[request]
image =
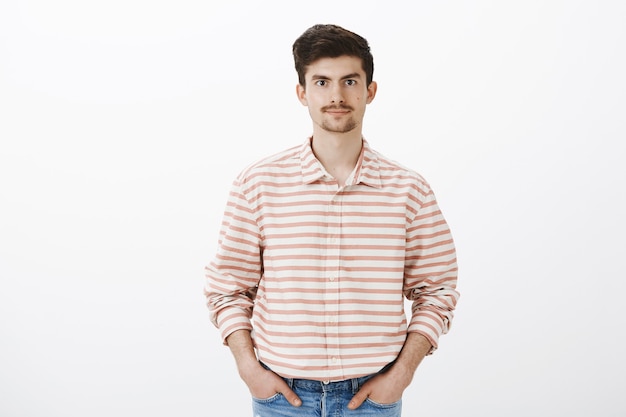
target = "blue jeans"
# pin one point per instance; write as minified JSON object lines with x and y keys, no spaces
{"x":321,"y":399}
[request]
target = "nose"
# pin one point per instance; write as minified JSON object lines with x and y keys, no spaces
{"x":336,"y":94}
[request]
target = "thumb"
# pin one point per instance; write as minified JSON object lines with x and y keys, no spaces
{"x":357,"y":400}
{"x":290,"y":396}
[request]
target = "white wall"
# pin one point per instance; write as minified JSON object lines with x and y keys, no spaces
{"x":122,"y":124}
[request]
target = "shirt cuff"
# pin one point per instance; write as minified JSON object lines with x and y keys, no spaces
{"x":231,"y":320}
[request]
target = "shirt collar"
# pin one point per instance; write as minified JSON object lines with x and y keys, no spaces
{"x":367,"y":170}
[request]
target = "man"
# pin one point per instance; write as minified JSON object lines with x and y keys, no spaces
{"x":319,"y":245}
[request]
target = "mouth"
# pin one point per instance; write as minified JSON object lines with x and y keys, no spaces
{"x":337,"y":111}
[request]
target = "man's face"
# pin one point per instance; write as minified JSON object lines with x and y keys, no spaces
{"x":336,"y":93}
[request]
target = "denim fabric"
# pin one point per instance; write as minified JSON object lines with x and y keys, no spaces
{"x":321,"y":399}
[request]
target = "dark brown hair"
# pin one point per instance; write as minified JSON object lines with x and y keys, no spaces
{"x":330,"y":41}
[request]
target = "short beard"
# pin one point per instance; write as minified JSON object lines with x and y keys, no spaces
{"x":346,"y":127}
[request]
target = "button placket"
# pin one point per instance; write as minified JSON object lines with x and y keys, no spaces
{"x":333,"y":252}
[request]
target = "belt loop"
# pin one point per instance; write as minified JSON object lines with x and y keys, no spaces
{"x":289,"y":382}
{"x":355,"y":385}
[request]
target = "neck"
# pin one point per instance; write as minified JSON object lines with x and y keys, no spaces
{"x":338,"y":153}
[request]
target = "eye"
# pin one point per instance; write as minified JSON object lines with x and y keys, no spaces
{"x":350,"y":82}
{"x":320,"y":83}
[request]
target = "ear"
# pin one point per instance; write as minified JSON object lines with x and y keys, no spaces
{"x":301,"y":92}
{"x":371,"y":91}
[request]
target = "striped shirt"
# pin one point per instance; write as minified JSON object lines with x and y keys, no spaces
{"x":319,"y":272}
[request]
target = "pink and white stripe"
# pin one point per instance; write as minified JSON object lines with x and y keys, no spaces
{"x":323,"y":271}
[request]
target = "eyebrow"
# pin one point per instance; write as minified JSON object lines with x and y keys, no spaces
{"x":345,"y":77}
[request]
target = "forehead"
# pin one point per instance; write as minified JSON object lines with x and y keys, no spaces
{"x":335,"y":67}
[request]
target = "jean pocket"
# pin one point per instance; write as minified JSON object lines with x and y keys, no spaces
{"x":269,"y":400}
{"x":373,"y":403}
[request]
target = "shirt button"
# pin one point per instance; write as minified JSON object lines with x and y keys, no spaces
{"x":334,"y":360}
{"x":331,"y":278}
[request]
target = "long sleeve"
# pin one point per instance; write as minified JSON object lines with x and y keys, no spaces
{"x":233,"y":275}
{"x":430,"y":272}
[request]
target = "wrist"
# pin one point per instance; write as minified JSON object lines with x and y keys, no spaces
{"x":414,"y":350}
{"x":401,"y":373}
{"x":248,"y":367}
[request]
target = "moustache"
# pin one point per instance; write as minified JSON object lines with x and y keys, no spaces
{"x":342,"y":107}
